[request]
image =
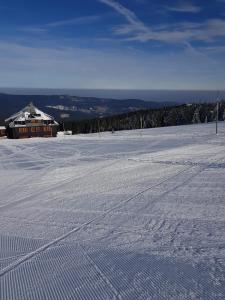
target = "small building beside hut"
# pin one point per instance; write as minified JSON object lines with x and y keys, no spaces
{"x":31,"y":122}
{"x":2,"y":131}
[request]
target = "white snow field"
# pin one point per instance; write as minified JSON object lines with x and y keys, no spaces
{"x":130,"y":215}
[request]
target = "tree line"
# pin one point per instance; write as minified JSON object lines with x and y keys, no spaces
{"x":150,"y":118}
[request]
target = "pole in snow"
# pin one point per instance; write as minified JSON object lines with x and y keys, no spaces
{"x":98,"y":128}
{"x":141,"y":123}
{"x":217,"y":111}
{"x":217,"y":116}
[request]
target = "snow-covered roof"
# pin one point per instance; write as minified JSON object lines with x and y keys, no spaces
{"x":28,"y":113}
{"x":2,"y":127}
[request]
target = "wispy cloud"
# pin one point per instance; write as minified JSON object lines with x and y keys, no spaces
{"x":33,"y":29}
{"x":213,"y":49}
{"x":136,"y":30}
{"x":128,"y":14}
{"x":61,"y":23}
{"x":75,"y":21}
{"x":184,"y":8}
{"x":75,"y":67}
{"x":135,"y":26}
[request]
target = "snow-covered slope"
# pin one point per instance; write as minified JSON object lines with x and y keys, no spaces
{"x":130,"y":215}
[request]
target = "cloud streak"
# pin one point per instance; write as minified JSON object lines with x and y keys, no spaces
{"x":75,"y":21}
{"x":74,"y":67}
{"x":128,"y":14}
{"x":61,"y":23}
{"x":184,"y":8}
{"x":136,"y":30}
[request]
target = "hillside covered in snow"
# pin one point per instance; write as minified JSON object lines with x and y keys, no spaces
{"x":131,"y":215}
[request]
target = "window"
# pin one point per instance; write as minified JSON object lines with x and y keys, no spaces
{"x":23,"y":130}
{"x":47,"y":128}
{"x":19,"y":122}
{"x":47,"y":122}
{"x":34,"y":121}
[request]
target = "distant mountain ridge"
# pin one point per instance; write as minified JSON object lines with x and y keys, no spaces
{"x":178,"y":96}
{"x":73,"y":107}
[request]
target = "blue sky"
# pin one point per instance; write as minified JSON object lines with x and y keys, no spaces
{"x":124,"y":44}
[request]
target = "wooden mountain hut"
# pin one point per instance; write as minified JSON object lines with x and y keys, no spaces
{"x":31,"y":122}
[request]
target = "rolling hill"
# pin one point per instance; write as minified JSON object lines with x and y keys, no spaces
{"x":72,"y":107}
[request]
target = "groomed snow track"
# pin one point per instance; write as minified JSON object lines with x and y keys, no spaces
{"x":123,"y":216}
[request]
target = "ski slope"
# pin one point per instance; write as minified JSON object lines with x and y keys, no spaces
{"x":130,"y":215}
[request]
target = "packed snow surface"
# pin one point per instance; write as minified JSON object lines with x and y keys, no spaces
{"x":129,"y":215}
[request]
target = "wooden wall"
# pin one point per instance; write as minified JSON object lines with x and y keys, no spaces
{"x":33,"y":131}
{"x":2,"y":132}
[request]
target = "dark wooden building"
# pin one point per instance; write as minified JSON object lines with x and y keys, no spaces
{"x":31,"y":122}
{"x":2,"y":131}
